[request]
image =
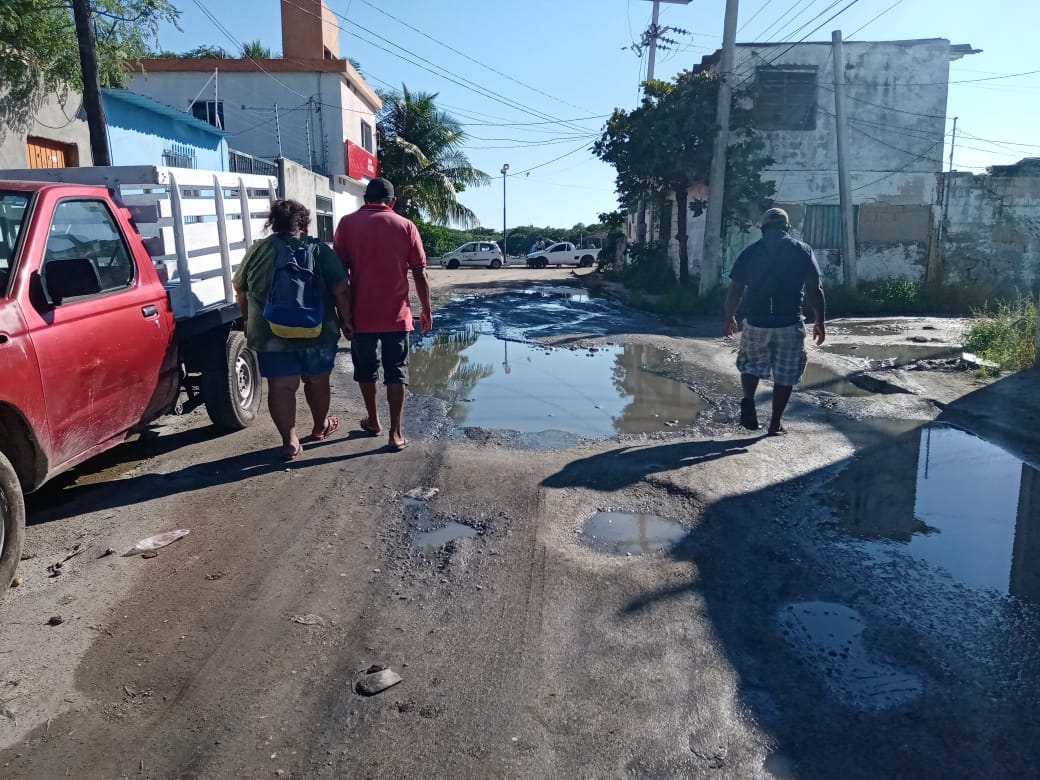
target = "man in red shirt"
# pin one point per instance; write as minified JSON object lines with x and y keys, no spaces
{"x":380,"y":247}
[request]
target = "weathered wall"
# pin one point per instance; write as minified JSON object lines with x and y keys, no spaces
{"x":56,"y":120}
{"x":306,"y":186}
{"x":138,"y":136}
{"x":992,"y":234}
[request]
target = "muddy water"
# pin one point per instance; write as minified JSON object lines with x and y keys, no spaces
{"x":494,"y":383}
{"x":819,"y":378}
{"x":632,"y":533}
{"x":432,"y":539}
{"x":953,"y":500}
{"x":883,"y":356}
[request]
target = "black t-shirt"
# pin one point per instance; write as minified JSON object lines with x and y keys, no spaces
{"x":775,"y":269}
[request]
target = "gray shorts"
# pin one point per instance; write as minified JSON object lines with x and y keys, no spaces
{"x":776,"y":352}
{"x":392,"y":353}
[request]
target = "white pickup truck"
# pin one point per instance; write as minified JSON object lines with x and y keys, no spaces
{"x":562,"y":253}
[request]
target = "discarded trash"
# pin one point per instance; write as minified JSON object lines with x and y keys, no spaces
{"x":422,"y":493}
{"x":108,"y":551}
{"x":156,"y":542}
{"x":16,"y":582}
{"x":55,"y":569}
{"x":56,"y":620}
{"x":377,"y":682}
{"x":308,"y":620}
{"x":150,"y":554}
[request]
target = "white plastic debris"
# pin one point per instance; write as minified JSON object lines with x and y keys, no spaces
{"x":377,"y":682}
{"x":156,"y":542}
{"x":422,"y":493}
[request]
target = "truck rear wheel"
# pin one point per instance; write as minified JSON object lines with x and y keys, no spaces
{"x":12,"y":522}
{"x":587,"y":260}
{"x":230,"y":385}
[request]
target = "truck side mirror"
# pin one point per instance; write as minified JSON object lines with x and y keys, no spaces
{"x":71,"y":277}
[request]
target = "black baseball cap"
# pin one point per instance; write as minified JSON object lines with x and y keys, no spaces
{"x":379,"y":189}
{"x":775,"y":218}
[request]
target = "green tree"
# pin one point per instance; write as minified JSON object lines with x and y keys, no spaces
{"x":420,"y":151}
{"x":254,"y":50}
{"x":666,"y":144}
{"x":39,"y":53}
{"x":207,"y":52}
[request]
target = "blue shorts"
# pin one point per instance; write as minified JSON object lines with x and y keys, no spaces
{"x":393,"y":354}
{"x":300,"y":362}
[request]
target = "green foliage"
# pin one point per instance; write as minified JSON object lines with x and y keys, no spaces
{"x":613,"y":222}
{"x":895,"y":297}
{"x":254,"y":50}
{"x":438,"y":239}
{"x":39,"y":52}
{"x":649,"y":269}
{"x":421,"y":152}
{"x":1005,"y":335}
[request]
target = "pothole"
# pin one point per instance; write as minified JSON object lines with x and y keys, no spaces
{"x":593,"y":392}
{"x":951,"y":499}
{"x":892,"y":356}
{"x":632,"y":533}
{"x":430,"y":540}
{"x":819,"y":378}
{"x":829,"y":638}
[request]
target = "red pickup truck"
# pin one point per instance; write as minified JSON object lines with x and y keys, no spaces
{"x":97,"y":335}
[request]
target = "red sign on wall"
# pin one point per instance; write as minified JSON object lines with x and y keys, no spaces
{"x":361,"y":164}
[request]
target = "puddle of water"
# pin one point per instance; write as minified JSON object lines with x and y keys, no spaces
{"x":600,"y":392}
{"x":817,"y":377}
{"x":883,"y":356}
{"x":632,"y":533}
{"x":866,"y":328}
{"x":435,"y":538}
{"x":572,"y":294}
{"x":955,"y":501}
{"x":829,"y":638}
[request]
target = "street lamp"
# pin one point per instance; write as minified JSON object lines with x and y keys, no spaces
{"x":505,"y":252}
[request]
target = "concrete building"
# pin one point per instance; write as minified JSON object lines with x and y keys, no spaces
{"x":310,"y":106}
{"x":56,"y":137}
{"x":896,"y":106}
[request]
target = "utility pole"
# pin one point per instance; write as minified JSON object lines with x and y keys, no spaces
{"x":92,"y":104}
{"x":711,"y":261}
{"x":505,"y":252}
{"x":841,"y":121}
{"x":278,"y":129}
{"x":651,"y":61}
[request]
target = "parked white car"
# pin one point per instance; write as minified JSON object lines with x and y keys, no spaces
{"x":485,"y":254}
{"x":562,"y":253}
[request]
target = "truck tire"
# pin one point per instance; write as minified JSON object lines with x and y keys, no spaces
{"x":12,"y":522}
{"x":230,"y":384}
{"x":587,"y":260}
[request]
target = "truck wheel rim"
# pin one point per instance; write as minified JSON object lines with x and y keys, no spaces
{"x":244,"y":377}
{"x":5,"y":512}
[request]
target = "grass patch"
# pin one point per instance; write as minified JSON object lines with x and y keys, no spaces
{"x":1005,"y":335}
{"x":901,"y":297}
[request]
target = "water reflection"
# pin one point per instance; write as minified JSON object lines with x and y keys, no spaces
{"x":954,"y":500}
{"x":493,"y":383}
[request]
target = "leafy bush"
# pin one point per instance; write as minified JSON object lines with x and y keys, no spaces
{"x":649,"y":269}
{"x":1006,"y":336}
{"x":894,"y":297}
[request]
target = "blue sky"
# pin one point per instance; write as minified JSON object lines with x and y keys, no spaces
{"x":545,"y":60}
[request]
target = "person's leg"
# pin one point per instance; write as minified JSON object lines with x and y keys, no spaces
{"x":366,"y":372}
{"x":282,"y":371}
{"x":317,"y":366}
{"x":752,"y":362}
{"x":394,"y":353}
{"x":789,"y":359}
{"x":781,"y":395}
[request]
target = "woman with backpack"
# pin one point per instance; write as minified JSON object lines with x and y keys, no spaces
{"x":293,"y":294}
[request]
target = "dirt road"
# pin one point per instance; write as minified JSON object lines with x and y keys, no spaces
{"x":802,"y":606}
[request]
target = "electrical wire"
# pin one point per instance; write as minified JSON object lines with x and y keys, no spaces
{"x":755,"y":15}
{"x":860,"y":28}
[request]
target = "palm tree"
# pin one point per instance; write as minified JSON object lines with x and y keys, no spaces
{"x":420,"y":151}
{"x":254,"y":50}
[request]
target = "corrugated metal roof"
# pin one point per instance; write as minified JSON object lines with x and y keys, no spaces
{"x":161,"y":108}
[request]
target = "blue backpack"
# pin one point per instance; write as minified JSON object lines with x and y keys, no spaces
{"x":294,"y":307}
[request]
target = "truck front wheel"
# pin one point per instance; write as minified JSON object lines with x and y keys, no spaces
{"x":12,"y":522}
{"x":230,"y":384}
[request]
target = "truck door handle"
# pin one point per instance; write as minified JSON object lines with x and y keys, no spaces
{"x":149,"y":311}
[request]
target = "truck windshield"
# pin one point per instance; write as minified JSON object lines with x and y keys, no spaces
{"x":13,"y":208}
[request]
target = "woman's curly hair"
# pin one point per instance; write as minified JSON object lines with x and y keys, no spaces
{"x":288,"y":216}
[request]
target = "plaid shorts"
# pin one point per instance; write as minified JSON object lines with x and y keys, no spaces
{"x":779,"y":352}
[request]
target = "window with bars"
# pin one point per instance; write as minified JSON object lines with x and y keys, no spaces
{"x":179,"y":156}
{"x":323,"y":219}
{"x":211,"y":111}
{"x":366,"y":137}
{"x":785,"y":98}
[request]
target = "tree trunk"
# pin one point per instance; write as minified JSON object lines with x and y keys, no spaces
{"x":682,"y":209}
{"x":664,"y":221}
{"x":92,"y":104}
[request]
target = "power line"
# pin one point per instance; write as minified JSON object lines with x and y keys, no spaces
{"x":801,"y":6}
{"x":549,"y":162}
{"x":858,"y":29}
{"x":888,"y":175}
{"x":755,"y":15}
{"x":471,"y":59}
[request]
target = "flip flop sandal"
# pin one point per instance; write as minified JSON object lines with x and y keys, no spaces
{"x":368,"y":429}
{"x":781,"y":431}
{"x":399,"y":446}
{"x":289,"y":453}
{"x":331,"y":426}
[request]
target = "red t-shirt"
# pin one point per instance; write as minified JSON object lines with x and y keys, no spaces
{"x":379,"y":246}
